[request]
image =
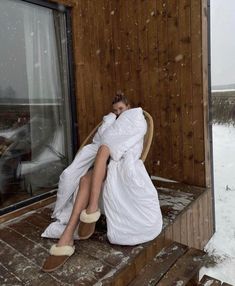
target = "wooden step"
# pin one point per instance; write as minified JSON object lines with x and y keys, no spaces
{"x":174,"y":264}
{"x":207,"y":280}
{"x":185,"y":270}
{"x":163,"y":261}
{"x":210,"y":281}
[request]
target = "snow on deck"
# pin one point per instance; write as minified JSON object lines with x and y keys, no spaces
{"x":95,"y":262}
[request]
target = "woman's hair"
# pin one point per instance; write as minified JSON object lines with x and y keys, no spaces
{"x":120,"y":97}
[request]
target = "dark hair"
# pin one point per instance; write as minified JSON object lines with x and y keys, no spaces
{"x":120,"y":97}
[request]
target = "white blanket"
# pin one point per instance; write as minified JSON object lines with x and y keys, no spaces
{"x":129,"y":198}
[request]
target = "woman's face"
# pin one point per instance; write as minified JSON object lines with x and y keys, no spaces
{"x":119,"y":107}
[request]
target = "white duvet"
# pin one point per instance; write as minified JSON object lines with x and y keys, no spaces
{"x":129,"y":199}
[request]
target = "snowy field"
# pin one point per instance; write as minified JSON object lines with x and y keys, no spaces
{"x":222,"y":244}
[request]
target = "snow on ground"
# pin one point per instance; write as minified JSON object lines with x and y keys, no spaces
{"x":222,"y":244}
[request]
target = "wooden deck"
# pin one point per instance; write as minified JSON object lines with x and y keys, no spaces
{"x":96,"y":261}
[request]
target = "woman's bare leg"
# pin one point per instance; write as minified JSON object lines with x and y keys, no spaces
{"x":80,"y":203}
{"x":98,"y":176}
{"x":88,"y":194}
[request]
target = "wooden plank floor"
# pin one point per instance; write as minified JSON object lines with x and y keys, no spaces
{"x":96,"y":261}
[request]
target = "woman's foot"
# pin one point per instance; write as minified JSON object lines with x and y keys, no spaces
{"x":60,"y":252}
{"x":87,"y":223}
{"x":58,"y":256}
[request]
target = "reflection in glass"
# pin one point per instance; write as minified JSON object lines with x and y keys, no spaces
{"x":34,"y":124}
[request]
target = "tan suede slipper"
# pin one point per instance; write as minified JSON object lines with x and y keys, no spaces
{"x":58,"y":256}
{"x":87,"y":224}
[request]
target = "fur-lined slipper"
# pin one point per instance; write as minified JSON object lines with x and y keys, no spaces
{"x":58,"y":256}
{"x":87,"y":224}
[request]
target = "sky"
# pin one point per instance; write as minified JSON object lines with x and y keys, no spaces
{"x":222,"y":42}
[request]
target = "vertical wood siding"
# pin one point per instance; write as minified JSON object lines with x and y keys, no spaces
{"x":156,"y":52}
{"x":195,"y":226}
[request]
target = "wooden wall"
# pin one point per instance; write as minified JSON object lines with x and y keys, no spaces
{"x":156,"y":52}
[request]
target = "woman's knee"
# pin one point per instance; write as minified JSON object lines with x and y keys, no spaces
{"x":104,"y":150}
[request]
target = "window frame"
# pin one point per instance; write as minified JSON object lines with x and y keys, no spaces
{"x":71,"y":98}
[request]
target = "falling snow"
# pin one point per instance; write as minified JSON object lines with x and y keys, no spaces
{"x":178,"y":58}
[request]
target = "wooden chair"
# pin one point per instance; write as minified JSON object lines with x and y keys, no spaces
{"x":147,"y":138}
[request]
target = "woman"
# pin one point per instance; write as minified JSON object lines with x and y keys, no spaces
{"x":110,"y":164}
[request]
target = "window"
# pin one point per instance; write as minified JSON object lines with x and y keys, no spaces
{"x":35,"y":99}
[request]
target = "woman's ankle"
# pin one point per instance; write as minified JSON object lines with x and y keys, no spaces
{"x":67,"y":237}
{"x":91,"y":209}
{"x":63,"y":241}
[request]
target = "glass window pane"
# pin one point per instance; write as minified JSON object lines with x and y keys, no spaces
{"x":35,"y":135}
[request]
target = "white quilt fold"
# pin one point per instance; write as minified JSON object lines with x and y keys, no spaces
{"x":129,"y":198}
{"x":126,"y":132}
